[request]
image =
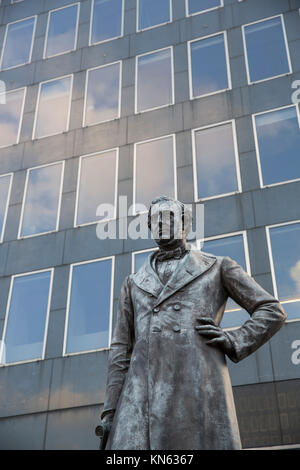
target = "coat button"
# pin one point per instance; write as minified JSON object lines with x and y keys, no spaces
{"x":156,"y":329}
{"x":156,"y":310}
{"x":176,"y":328}
{"x":176,"y":307}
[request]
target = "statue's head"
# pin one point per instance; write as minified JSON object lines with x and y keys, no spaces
{"x":169,"y":220}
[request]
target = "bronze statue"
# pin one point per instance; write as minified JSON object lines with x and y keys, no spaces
{"x":168,"y":386}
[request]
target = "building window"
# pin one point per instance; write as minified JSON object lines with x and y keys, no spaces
{"x":107,"y":20}
{"x":5,"y":188}
{"x":193,"y":7}
{"x":18,"y":43}
{"x":266,"y":49}
{"x":152,"y":13}
{"x":42,"y":197}
{"x":62,"y":29}
{"x":26,"y":321}
{"x":11,"y":112}
{"x":216,"y":162}
{"x":103,"y":94}
{"x":53,"y":108}
{"x":235,"y":246}
{"x":284,"y":249}
{"x":88,"y":323}
{"x":209,"y":69}
{"x":139,"y":258}
{"x":277,"y":137}
{"x":154,"y":80}
{"x":97,"y":184}
{"x":156,"y":153}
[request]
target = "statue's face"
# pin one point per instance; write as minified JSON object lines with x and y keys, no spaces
{"x":166,"y":222}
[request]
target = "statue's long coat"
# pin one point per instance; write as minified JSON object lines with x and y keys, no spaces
{"x":169,"y":388}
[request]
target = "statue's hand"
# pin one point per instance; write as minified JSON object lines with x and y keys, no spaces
{"x":104,"y":428}
{"x":208,"y":328}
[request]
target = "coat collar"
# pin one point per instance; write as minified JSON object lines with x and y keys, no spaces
{"x":189,"y":268}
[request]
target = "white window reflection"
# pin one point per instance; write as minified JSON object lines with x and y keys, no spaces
{"x":61,"y":30}
{"x":5,"y":188}
{"x":18,"y":43}
{"x":284,"y":245}
{"x":266,"y":50}
{"x":278,"y":145}
{"x":156,"y":153}
{"x":107,"y":20}
{"x":41,"y":204}
{"x":103,"y":94}
{"x":27,"y":317}
{"x":209,"y":65}
{"x":97,"y":184}
{"x":216,"y":163}
{"x":154,"y":80}
{"x":152,"y":13}
{"x":89,"y":306}
{"x":234,"y":246}
{"x":11,"y":111}
{"x":195,"y":6}
{"x":53,"y":108}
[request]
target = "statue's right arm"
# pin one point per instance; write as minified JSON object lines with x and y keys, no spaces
{"x":120,"y":351}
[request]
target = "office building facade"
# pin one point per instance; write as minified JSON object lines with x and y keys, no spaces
{"x":115,"y":102}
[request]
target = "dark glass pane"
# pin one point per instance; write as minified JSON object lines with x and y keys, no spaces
{"x":215,"y":159}
{"x":153,"y":12}
{"x":27,"y":318}
{"x":89,"y":311}
{"x":107,"y":20}
{"x":154,"y":80}
{"x":266,"y":49}
{"x":209,"y":69}
{"x":195,"y":6}
{"x":62,"y":30}
{"x":278,"y":136}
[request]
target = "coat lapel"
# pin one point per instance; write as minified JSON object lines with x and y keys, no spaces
{"x":192,"y":266}
{"x":147,"y":279}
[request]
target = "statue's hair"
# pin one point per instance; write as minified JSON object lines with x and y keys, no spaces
{"x":185,"y":212}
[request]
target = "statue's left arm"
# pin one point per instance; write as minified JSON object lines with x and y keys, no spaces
{"x":120,"y":350}
{"x":266,"y":314}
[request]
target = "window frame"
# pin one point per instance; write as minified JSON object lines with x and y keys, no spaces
{"x":38,"y":103}
{"x":227,"y":59}
{"x":173,"y":135}
{"x":116,"y":149}
{"x":47,"y":31}
{"x":31,"y":45}
{"x":271,"y":260}
{"x":258,"y":158}
{"x":138,"y":29}
{"x":64,"y":353}
{"x":60,"y":162}
{"x":236,"y":155}
{"x":172,"y":81}
{"x":286,"y":44}
{"x":84,"y":125}
{"x":11,"y":175}
{"x":28,"y":273}
{"x":187,"y":14}
{"x":21,"y":114}
{"x":109,"y":39}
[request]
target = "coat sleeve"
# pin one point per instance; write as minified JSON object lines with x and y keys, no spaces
{"x":120,"y":350}
{"x":266,"y":314}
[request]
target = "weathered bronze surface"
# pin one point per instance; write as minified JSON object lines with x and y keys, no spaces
{"x":168,"y":386}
